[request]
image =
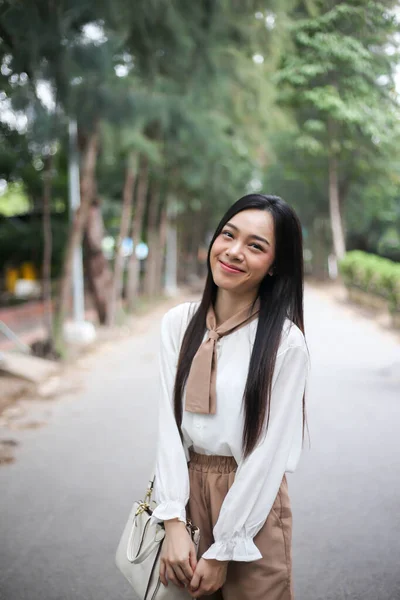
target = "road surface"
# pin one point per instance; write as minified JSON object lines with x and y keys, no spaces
{"x":65,"y":498}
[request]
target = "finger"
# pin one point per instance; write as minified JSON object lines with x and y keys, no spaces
{"x":180,"y":575}
{"x":193,"y":559}
{"x":172,"y":577}
{"x":199,"y":593}
{"x":163,"y":578}
{"x":195,"y":583}
{"x":187,"y":571}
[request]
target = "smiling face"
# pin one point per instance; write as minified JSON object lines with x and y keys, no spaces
{"x":244,"y":251}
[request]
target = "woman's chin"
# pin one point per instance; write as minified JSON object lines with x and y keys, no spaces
{"x":225,"y":283}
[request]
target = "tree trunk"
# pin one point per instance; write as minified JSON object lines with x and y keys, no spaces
{"x":171,"y":261}
{"x":126,"y":215}
{"x":190,"y":241}
{"x":339,"y":244}
{"x":136,"y":231}
{"x":150,"y":282}
{"x":77,"y":228}
{"x":162,"y":240}
{"x":97,"y":270}
{"x":320,"y":247}
{"x":334,"y":209}
{"x":47,"y":249}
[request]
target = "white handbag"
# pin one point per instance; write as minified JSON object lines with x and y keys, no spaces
{"x":139,"y":550}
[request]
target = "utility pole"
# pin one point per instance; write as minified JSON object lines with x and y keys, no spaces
{"x":78,"y":331}
{"x":78,"y":294}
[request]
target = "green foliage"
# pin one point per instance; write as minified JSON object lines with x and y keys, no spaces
{"x":13,"y":201}
{"x":341,"y":79}
{"x":389,"y":241}
{"x":374,"y":275}
{"x":336,"y":79}
{"x":208,"y":118}
{"x":21,"y":240}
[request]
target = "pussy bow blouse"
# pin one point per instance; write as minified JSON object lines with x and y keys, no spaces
{"x":259,"y":476}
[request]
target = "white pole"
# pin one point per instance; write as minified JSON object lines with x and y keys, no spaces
{"x":78,"y":294}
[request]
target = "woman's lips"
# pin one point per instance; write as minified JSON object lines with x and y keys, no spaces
{"x":228,"y":268}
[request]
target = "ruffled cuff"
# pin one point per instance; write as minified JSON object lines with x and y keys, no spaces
{"x":238,"y":548}
{"x":172,"y":509}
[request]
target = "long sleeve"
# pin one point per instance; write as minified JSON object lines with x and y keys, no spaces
{"x":259,"y":476}
{"x":171,"y":472}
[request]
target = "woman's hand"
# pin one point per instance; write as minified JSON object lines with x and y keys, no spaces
{"x":178,"y":555}
{"x":209,"y":576}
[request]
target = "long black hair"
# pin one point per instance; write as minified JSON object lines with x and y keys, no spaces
{"x":281,"y":297}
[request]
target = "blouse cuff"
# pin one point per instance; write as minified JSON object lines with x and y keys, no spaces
{"x":238,"y":548}
{"x":172,"y":509}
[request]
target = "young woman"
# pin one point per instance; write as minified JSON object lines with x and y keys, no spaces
{"x":233,"y":375}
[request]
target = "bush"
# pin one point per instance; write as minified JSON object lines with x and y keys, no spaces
{"x":21,"y":240}
{"x":374,"y":275}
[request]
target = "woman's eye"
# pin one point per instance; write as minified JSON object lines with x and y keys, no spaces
{"x":257,"y":246}
{"x":227,"y":233}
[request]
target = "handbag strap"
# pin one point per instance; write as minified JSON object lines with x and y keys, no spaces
{"x":145,"y":552}
{"x":145,"y":504}
{"x":149,"y":491}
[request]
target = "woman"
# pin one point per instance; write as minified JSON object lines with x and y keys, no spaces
{"x":233,"y":375}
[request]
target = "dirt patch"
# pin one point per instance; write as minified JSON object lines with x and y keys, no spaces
{"x":12,"y":388}
{"x":6,"y":451}
{"x":21,"y":425}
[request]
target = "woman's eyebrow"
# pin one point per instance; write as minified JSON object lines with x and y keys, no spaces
{"x":253,"y":235}
{"x":258,"y":237}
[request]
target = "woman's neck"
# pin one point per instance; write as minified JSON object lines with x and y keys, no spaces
{"x":228,"y":304}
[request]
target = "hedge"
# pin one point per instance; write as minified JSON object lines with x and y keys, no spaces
{"x":374,"y":275}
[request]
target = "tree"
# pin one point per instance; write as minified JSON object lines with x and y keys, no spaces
{"x":204,"y":147}
{"x":338,"y":79}
{"x":126,"y":216}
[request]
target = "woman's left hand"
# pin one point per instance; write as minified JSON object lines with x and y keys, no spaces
{"x":209,"y":576}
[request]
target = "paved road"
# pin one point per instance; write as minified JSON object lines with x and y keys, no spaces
{"x":65,"y":499}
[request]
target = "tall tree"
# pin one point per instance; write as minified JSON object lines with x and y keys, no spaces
{"x":126,"y":216}
{"x":339,"y":80}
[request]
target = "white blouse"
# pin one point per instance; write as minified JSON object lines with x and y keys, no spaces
{"x":259,"y":476}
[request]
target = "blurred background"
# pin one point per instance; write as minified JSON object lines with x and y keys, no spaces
{"x":127,"y":128}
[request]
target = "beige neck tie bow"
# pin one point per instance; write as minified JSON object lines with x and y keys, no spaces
{"x":201,"y":383}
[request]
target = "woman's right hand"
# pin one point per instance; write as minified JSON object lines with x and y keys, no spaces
{"x":178,"y":555}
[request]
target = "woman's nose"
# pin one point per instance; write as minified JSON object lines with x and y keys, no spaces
{"x":235,"y":249}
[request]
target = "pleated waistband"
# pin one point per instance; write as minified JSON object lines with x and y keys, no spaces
{"x":212,"y":463}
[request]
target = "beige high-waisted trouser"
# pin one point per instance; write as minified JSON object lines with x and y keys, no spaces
{"x":269,"y":578}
